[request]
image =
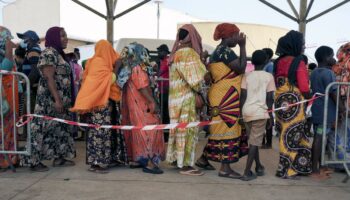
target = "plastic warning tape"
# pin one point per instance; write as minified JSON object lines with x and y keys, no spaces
{"x":30,"y":117}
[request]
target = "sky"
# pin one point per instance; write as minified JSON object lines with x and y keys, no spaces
{"x":329,"y":29}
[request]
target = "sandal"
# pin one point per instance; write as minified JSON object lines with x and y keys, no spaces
{"x":233,"y":175}
{"x":154,"y":170}
{"x":39,"y":168}
{"x":206,"y":166}
{"x":248,"y":177}
{"x":260,"y":171}
{"x":191,"y":172}
{"x":295,"y":177}
{"x":135,"y":166}
{"x":61,"y":162}
{"x":98,"y":169}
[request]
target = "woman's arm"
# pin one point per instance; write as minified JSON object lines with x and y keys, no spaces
{"x":303,"y":80}
{"x":239,"y":64}
{"x":49,"y":75}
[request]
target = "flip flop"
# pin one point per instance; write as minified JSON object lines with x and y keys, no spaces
{"x":229,"y":175}
{"x":248,"y":177}
{"x":135,"y":166}
{"x":98,"y":169}
{"x":206,"y":166}
{"x":155,"y":170}
{"x":62,"y":163}
{"x":192,"y":172}
{"x":260,"y":171}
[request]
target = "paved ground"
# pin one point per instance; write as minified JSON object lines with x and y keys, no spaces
{"x":124,"y":183}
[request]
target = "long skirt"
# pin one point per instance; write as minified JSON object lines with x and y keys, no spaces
{"x":295,"y":141}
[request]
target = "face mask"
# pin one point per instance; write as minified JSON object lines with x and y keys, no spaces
{"x":23,"y":44}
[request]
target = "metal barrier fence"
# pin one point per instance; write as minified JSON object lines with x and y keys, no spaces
{"x":11,"y":80}
{"x":336,"y":146}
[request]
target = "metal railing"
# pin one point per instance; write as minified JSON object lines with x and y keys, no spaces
{"x":16,"y":76}
{"x":335,"y":146}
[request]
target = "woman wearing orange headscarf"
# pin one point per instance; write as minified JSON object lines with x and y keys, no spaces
{"x":95,"y":99}
{"x":224,"y":144}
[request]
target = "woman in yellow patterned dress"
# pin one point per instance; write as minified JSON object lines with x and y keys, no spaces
{"x":186,"y":74}
{"x":224,"y":144}
{"x":292,"y":81}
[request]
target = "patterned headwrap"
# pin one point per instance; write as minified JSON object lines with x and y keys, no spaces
{"x":53,"y":39}
{"x":133,"y":55}
{"x":5,"y":34}
{"x":225,"y":30}
{"x":342,"y":67}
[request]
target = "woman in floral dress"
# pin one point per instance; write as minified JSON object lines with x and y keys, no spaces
{"x":50,"y":139}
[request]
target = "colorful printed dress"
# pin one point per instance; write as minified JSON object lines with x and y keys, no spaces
{"x":182,"y":142}
{"x":295,"y":140}
{"x":225,"y":143}
{"x":9,"y":129}
{"x":52,"y":139}
{"x":142,"y":146}
{"x":104,"y":146}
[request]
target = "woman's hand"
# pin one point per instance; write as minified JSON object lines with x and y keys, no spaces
{"x":154,"y":108}
{"x":241,"y":39}
{"x":58,"y":106}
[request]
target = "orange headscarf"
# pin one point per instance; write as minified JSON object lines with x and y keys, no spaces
{"x":225,"y":30}
{"x":97,"y":85}
{"x":193,"y":37}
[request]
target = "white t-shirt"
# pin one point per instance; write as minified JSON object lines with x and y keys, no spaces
{"x":257,"y":84}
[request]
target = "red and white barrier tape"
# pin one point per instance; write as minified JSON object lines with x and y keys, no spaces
{"x":147,"y":127}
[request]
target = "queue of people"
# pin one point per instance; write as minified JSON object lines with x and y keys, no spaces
{"x":120,"y":88}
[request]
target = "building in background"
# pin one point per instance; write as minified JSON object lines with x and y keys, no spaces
{"x":85,"y":28}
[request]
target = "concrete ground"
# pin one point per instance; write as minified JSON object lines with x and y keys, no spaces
{"x":124,"y":183}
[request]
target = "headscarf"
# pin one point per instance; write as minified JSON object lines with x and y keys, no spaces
{"x":53,"y":39}
{"x":5,"y":34}
{"x":132,"y":55}
{"x":291,"y":45}
{"x":193,"y":37}
{"x":97,"y":86}
{"x":225,"y":30}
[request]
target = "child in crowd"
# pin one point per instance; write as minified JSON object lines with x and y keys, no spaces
{"x":257,"y":91}
{"x":321,"y":77}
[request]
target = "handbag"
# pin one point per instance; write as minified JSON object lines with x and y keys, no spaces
{"x":200,"y":101}
{"x":5,"y":106}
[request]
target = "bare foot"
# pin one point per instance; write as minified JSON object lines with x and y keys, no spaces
{"x":326,"y":171}
{"x":319,"y":176}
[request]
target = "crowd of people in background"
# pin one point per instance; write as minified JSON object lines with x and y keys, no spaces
{"x":127,"y":88}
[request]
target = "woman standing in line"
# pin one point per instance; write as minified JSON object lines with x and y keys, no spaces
{"x":186,"y":75}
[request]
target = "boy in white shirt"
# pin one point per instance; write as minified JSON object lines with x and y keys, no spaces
{"x":257,"y":90}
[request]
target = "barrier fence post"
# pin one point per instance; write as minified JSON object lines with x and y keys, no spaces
{"x":340,"y":154}
{"x":7,"y":152}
